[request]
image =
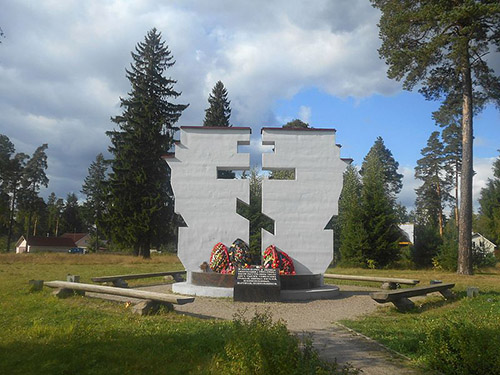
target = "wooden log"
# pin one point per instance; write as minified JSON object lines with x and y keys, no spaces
{"x":371,"y":278}
{"x":134,"y":293}
{"x":393,"y":295}
{"x":103,"y":279}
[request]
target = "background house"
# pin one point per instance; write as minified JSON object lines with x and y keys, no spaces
{"x":408,"y":234}
{"x":481,"y":242}
{"x":44,"y":244}
{"x":80,"y":239}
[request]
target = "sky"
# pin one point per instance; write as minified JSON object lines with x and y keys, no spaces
{"x":62,"y":73}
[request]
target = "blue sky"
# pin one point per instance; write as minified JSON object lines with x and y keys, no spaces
{"x":62,"y":72}
{"x":403,"y":120}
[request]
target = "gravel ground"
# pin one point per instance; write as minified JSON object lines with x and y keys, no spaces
{"x":317,"y":319}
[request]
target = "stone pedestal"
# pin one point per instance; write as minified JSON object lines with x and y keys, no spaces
{"x":257,"y":285}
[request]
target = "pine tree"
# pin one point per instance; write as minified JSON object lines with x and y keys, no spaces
{"x":284,"y":174}
{"x":33,"y":178}
{"x":55,"y":207}
{"x":378,"y":216}
{"x":441,"y":45}
{"x":448,"y":117}
{"x":6,"y":151}
{"x":354,"y":243}
{"x":94,"y":187}
{"x":219,"y":112}
{"x":11,"y":185}
{"x":296,"y":124}
{"x":434,"y":192}
{"x":140,"y":196}
{"x":489,"y":201}
{"x":393,"y":181}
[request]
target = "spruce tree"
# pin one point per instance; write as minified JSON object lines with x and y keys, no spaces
{"x":219,"y":112}
{"x":441,"y":46}
{"x":378,"y":215}
{"x":140,"y":196}
{"x":72,"y":218}
{"x":94,"y":187}
{"x":393,"y":181}
{"x":354,"y":243}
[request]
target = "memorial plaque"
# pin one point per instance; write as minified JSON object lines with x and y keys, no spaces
{"x":257,"y":285}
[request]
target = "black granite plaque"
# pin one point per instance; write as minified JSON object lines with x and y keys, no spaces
{"x":257,"y":285}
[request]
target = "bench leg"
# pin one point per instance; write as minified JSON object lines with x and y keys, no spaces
{"x":403,"y":304}
{"x":119,"y":283}
{"x":65,"y":292}
{"x":36,"y":285}
{"x":447,"y":294}
{"x":149,"y":307}
{"x":389,"y":285}
{"x":178,"y":277}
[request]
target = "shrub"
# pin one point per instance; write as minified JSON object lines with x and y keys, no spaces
{"x":467,"y":343}
{"x":259,"y":346}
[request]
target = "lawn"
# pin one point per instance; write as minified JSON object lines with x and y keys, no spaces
{"x":40,"y":334}
{"x":455,"y":337}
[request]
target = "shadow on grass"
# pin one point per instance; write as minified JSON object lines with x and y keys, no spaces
{"x":180,"y":351}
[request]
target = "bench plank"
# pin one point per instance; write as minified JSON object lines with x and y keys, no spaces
{"x":371,"y":278}
{"x":134,"y":293}
{"x":103,"y":279}
{"x":393,"y":295}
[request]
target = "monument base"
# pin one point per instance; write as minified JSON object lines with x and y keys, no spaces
{"x":323,"y":292}
{"x":202,"y":290}
{"x":290,"y":295}
{"x":214,"y":279}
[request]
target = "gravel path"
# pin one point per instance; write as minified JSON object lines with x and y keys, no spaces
{"x":316,"y":318}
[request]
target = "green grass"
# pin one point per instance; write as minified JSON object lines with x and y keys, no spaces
{"x":455,"y":337}
{"x":40,"y":334}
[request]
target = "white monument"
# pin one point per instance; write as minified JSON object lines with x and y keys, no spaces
{"x":208,"y":204}
{"x":300,"y":208}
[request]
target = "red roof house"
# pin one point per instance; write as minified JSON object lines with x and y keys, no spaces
{"x":44,"y":244}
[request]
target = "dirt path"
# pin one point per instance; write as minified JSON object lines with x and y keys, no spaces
{"x":316,"y":318}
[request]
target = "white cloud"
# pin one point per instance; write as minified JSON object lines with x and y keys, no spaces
{"x":407,"y":195}
{"x":483,"y":171}
{"x":305,"y":113}
{"x":62,"y":64}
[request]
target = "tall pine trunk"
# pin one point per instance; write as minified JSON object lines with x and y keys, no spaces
{"x":456,"y":193}
{"x":465,"y":212}
{"x":11,"y":219}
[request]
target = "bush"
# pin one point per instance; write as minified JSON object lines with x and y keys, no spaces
{"x":482,"y":258}
{"x":467,"y":343}
{"x":259,"y":346}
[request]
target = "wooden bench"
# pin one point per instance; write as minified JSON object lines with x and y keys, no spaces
{"x":387,"y":282}
{"x":400,"y":297}
{"x":119,"y":280}
{"x":151,"y":300}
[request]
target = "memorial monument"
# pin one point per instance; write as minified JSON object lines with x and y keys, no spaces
{"x":301,"y":208}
